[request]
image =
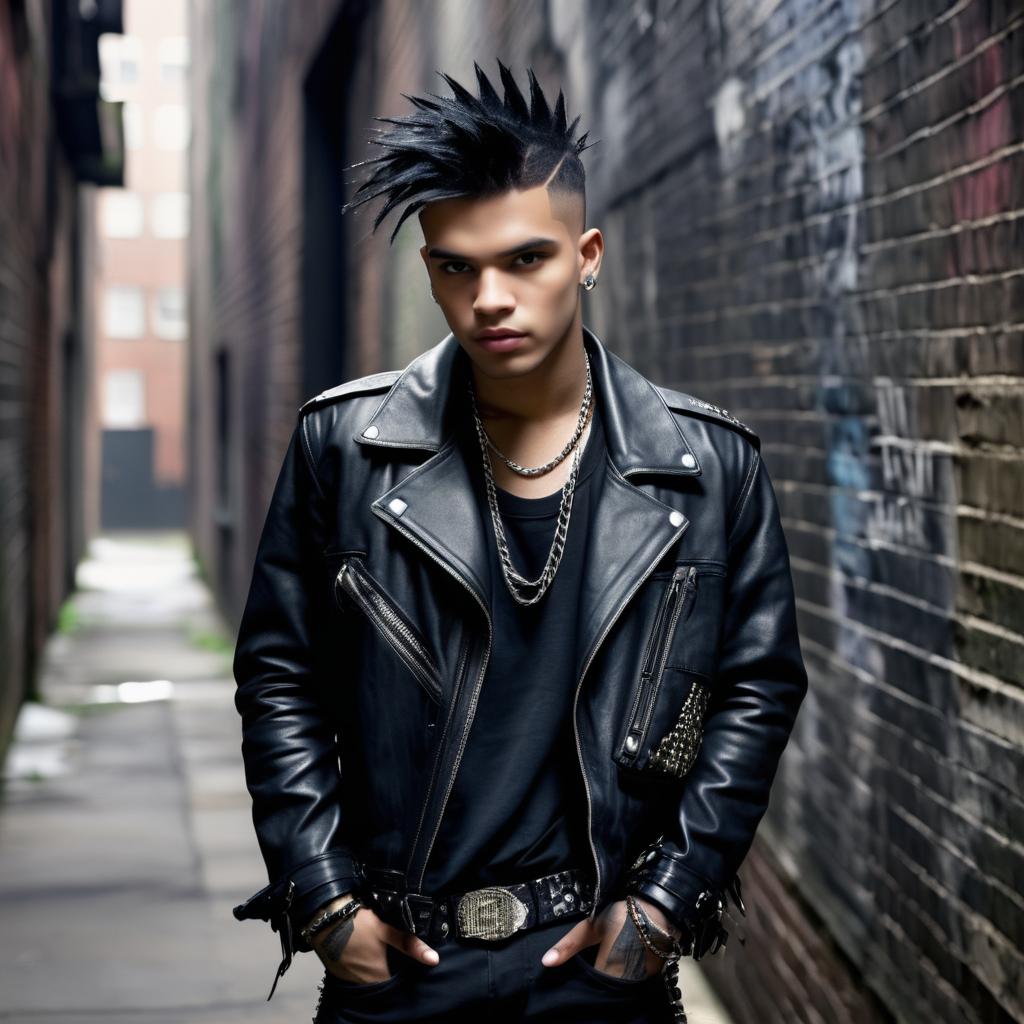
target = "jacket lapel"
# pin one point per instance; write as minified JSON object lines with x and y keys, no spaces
{"x":434,"y":505}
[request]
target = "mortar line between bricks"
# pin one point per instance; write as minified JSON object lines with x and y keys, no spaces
{"x":910,"y":288}
{"x":948,"y":231}
{"x":936,"y":128}
{"x":960,"y":854}
{"x":933,"y":927}
{"x":846,"y":32}
{"x":939,"y":757}
{"x":966,"y":567}
{"x":946,"y":69}
{"x":877,"y":589}
{"x":780,"y":267}
{"x":862,"y":118}
{"x":958,"y":812}
{"x":910,"y":334}
{"x":859,"y":295}
{"x":905,"y":39}
{"x":993,"y":629}
{"x":812,"y":186}
{"x":982,"y":680}
{"x":759,"y":53}
{"x":887,"y":967}
{"x":702,"y":254}
{"x":981,"y":924}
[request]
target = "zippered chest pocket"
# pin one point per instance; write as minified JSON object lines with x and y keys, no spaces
{"x":354,"y":583}
{"x":662,"y":731}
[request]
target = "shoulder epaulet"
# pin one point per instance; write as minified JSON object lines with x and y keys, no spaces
{"x":690,"y":404}
{"x":361,"y":385}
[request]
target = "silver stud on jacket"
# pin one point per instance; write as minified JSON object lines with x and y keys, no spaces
{"x":678,"y":748}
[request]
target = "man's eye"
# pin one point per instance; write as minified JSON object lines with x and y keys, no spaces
{"x":534,"y":256}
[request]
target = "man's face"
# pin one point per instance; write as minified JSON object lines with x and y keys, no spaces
{"x":480,"y":282}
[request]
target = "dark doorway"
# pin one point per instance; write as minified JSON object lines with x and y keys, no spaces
{"x":326,"y":358}
{"x":130,"y":497}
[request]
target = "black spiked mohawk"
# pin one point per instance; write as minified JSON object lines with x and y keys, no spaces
{"x":470,"y":146}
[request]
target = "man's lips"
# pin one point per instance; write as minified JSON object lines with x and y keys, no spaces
{"x":501,"y":343}
{"x":503,"y":333}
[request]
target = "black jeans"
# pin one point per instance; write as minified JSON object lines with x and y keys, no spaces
{"x":497,"y":982}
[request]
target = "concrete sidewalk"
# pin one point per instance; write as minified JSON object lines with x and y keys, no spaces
{"x":125,"y":827}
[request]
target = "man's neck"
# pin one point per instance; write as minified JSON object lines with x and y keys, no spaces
{"x":546,"y":395}
{"x":532,"y":417}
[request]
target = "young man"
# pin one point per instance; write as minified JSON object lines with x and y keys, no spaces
{"x":519,"y":656}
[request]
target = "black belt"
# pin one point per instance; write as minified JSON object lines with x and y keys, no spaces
{"x":490,"y":914}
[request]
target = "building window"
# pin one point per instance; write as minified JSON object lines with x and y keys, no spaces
{"x":125,"y":315}
{"x":122,"y":213}
{"x":169,"y":314}
{"x":120,"y":62}
{"x":169,"y":215}
{"x":172,"y":126}
{"x":174,"y":59}
{"x":124,"y":398}
{"x":132,"y":119}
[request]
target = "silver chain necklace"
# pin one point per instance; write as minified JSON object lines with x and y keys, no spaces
{"x":577,"y":433}
{"x":518,"y":585}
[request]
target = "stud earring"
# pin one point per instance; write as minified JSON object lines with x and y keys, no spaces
{"x":589,"y":282}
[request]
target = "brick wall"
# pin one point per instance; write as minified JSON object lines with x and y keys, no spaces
{"x":44,"y":352}
{"x":844,"y":258}
{"x":812,"y":212}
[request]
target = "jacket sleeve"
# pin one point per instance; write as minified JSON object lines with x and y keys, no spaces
{"x":288,"y":738}
{"x":758,"y":688}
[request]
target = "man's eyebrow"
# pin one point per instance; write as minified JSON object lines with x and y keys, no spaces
{"x":533,"y":243}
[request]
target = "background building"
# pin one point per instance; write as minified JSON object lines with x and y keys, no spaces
{"x":59,"y":140}
{"x":812,"y":212}
{"x":140,"y":274}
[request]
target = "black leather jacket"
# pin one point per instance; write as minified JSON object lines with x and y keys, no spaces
{"x":366,"y":636}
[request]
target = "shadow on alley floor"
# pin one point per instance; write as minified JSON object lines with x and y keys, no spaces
{"x":125,"y":828}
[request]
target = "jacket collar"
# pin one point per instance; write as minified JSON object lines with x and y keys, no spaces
{"x":641,"y":431}
{"x":632,"y":530}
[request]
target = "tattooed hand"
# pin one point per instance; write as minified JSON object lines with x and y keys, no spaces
{"x":355,"y":950}
{"x":622,"y":952}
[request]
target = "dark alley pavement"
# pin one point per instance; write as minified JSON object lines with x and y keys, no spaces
{"x":125,"y":828}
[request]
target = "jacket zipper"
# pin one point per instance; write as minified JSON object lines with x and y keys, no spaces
{"x":479,"y":682}
{"x":394,"y":628}
{"x":477,"y":685}
{"x":460,"y":675}
{"x":652,"y":643}
{"x":679,"y":596}
{"x":575,"y":725}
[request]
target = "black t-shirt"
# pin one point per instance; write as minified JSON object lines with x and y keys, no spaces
{"x":517,"y":810}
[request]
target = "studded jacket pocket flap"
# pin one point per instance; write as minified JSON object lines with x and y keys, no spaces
{"x":662,"y":732}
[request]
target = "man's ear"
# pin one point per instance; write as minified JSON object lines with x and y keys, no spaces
{"x":592,"y":249}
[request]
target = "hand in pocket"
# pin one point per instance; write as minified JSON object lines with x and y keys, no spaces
{"x":356,"y":950}
{"x":621,"y":954}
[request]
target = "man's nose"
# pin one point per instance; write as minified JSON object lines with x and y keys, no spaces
{"x":492,"y":295}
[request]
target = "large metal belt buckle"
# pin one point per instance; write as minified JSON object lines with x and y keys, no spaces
{"x":492,"y":913}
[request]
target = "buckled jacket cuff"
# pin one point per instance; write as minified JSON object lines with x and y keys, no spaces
{"x":288,"y":902}
{"x":689,"y":900}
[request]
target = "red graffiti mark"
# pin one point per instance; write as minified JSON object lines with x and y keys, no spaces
{"x":987,"y":190}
